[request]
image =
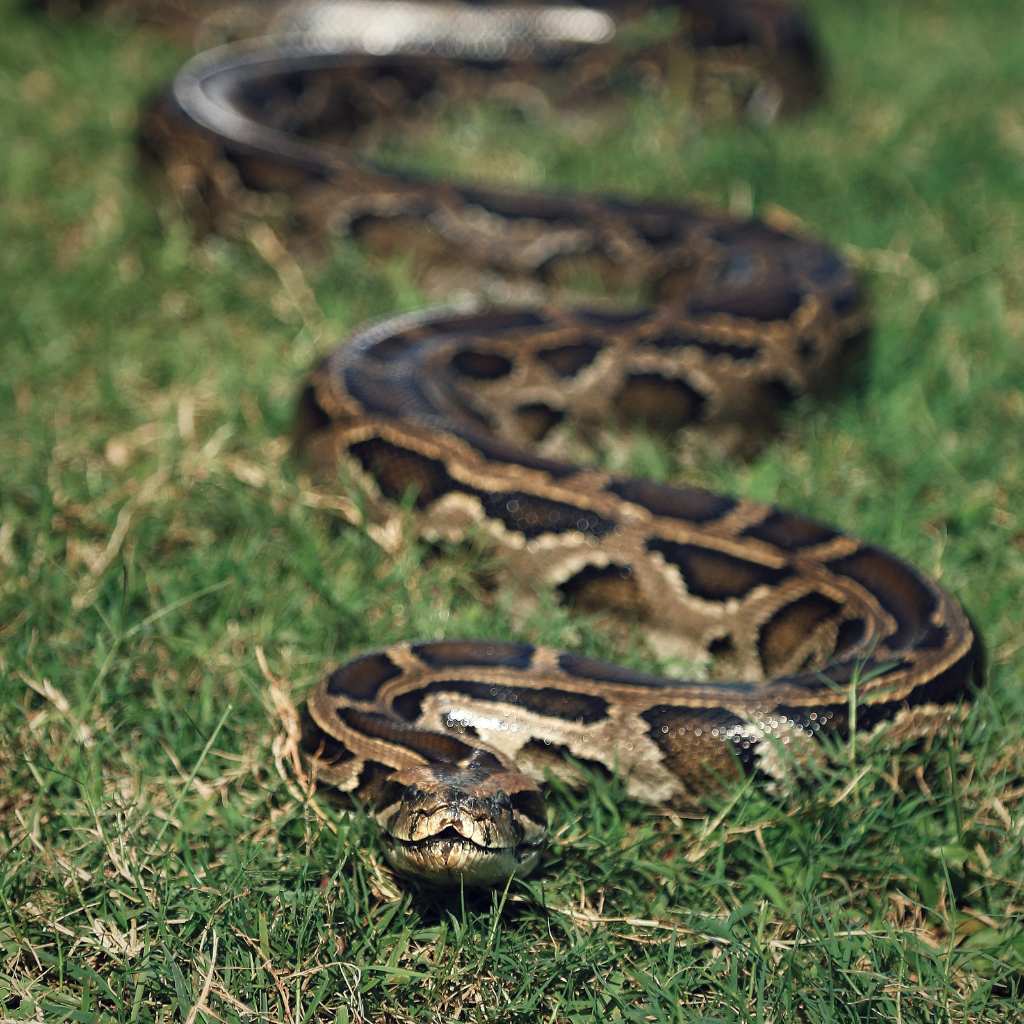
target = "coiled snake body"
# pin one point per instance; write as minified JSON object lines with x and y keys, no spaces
{"x":437,"y":419}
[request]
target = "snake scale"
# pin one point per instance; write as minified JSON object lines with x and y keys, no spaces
{"x":442,"y":420}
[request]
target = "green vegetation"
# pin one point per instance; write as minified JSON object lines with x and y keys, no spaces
{"x":170,"y":585}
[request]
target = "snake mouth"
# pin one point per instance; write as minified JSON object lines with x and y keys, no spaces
{"x":449,"y":835}
{"x":449,"y":859}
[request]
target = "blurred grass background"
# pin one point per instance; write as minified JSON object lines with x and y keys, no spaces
{"x":169,"y":582}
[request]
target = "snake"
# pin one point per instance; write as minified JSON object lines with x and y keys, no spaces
{"x":450,"y":423}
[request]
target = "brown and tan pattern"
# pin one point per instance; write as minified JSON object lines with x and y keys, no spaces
{"x":450,"y":420}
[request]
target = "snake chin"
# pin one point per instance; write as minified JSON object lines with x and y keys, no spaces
{"x":454,"y":827}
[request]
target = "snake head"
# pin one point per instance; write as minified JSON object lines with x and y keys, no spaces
{"x":475,"y":825}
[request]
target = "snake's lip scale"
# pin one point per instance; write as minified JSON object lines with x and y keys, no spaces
{"x":452,"y":835}
{"x":450,"y":421}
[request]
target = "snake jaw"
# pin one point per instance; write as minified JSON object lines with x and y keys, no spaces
{"x":461,"y":826}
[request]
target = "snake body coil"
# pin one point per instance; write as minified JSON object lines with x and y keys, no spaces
{"x":447,"y":410}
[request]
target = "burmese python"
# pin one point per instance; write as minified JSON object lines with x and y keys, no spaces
{"x":439,"y":420}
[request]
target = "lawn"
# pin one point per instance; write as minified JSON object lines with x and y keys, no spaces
{"x":171,"y":584}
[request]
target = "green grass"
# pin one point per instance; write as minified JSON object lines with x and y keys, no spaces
{"x":169,"y":582}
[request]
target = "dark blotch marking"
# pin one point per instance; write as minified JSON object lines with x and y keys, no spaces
{"x":829,"y":719}
{"x":315,"y":742}
{"x":898,"y":588}
{"x":479,"y":365}
{"x":789,"y":532}
{"x":843,"y":673}
{"x":853,"y":352}
{"x":671,"y":341}
{"x":458,"y":400}
{"x":581,"y":667}
{"x":393,"y":348}
{"x":669,"y":714}
{"x":394,"y":234}
{"x":396,"y":396}
{"x":765,"y":303}
{"x":691,"y":756}
{"x":713,"y":575}
{"x":373,"y":787}
{"x":851,"y":632}
{"x":530,"y":804}
{"x":777,"y":393}
{"x":827,"y":268}
{"x":532,"y":516}
{"x":739,"y":267}
{"x":570,"y":707}
{"x":611,"y":318}
{"x":568,"y":360}
{"x":536,"y":419}
{"x":734,"y":235}
{"x":310,"y":416}
{"x":790,"y":626}
{"x":946,"y":688}
{"x":487,"y":322}
{"x":847,"y":299}
{"x":268,"y":173}
{"x":665,"y":403}
{"x":807,"y":349}
{"x":689,"y":503}
{"x":657,"y":231}
{"x":554,"y":755}
{"x":483,"y":761}
{"x":549,"y":208}
{"x":399,"y":470}
{"x":605,"y":586}
{"x":447,"y":653}
{"x":498,"y":450}
{"x":722,"y":647}
{"x":363,"y":677}
{"x":434,"y":746}
{"x":934,"y":638}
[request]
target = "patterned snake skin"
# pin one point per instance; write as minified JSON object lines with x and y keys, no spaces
{"x":446,"y":421}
